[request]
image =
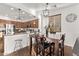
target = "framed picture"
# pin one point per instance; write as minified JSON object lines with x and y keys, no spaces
{"x":55,"y":23}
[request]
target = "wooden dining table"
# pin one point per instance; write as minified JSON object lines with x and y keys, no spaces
{"x":48,"y":39}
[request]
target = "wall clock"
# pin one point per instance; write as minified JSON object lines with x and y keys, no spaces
{"x":71,"y":17}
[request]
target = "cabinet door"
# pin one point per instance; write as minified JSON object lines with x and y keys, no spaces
{"x":1,"y":46}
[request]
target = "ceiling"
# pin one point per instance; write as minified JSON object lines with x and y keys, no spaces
{"x":38,"y":6}
{"x":10,"y":10}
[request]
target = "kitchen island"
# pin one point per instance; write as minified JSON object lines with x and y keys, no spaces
{"x":9,"y":42}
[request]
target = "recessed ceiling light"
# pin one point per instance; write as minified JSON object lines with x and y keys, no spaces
{"x":23,"y":12}
{"x":12,"y":8}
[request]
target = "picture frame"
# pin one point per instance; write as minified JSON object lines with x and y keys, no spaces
{"x":55,"y":23}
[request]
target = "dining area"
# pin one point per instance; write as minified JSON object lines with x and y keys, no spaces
{"x":46,"y":46}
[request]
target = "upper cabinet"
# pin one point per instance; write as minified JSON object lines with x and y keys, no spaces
{"x":32,"y":24}
{"x":28,"y":24}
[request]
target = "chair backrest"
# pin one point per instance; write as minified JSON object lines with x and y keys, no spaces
{"x":76,"y":47}
{"x":62,"y":37}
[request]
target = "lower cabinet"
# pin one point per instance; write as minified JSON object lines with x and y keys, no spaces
{"x":1,"y":46}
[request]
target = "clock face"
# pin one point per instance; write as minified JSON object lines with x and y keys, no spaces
{"x":71,"y":17}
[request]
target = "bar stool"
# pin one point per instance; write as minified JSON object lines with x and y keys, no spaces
{"x":18,"y":44}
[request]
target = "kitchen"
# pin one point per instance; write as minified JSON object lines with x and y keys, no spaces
{"x":14,"y":30}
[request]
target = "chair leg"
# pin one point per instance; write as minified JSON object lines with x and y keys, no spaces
{"x":62,"y":51}
{"x":50,"y":51}
{"x":53,"y":49}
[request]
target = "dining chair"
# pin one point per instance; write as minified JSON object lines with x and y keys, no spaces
{"x":45,"y":48}
{"x":61,"y":45}
{"x":76,"y":48}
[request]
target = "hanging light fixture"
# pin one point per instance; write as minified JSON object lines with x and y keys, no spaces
{"x":21,"y":14}
{"x":46,"y":11}
{"x":19,"y":11}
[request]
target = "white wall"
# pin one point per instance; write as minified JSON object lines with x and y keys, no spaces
{"x":71,"y":30}
{"x":43,"y":21}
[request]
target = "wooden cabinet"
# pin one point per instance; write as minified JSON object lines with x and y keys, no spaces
{"x":1,"y":46}
{"x":28,"y":24}
{"x":32,"y":24}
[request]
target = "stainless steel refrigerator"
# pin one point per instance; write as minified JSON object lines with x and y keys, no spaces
{"x":9,"y":29}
